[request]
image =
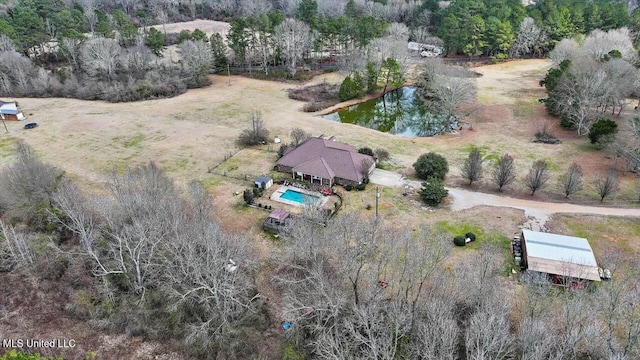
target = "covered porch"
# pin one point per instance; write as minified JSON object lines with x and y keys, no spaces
{"x":315,"y":171}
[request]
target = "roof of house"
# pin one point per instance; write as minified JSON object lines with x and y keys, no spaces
{"x":560,"y":254}
{"x":279,"y":214}
{"x":10,"y":111}
{"x":327,"y":159}
{"x":317,"y":167}
{"x":263,"y":179}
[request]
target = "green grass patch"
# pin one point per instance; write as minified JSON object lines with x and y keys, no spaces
{"x":7,"y":146}
{"x":605,"y":232}
{"x":211,"y":182}
{"x":482,"y":236}
{"x":133,"y":141}
{"x":525,"y":108}
{"x":231,"y":165}
{"x":492,"y":158}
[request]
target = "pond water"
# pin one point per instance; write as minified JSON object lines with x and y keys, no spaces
{"x":397,"y":112}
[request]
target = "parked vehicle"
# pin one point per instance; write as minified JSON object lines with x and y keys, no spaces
{"x":30,"y":125}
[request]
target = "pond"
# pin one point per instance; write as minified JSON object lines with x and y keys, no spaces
{"x":398,"y":112}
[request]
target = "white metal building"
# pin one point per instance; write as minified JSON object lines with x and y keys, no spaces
{"x":559,"y":254}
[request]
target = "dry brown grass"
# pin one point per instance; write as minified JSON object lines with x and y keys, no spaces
{"x":192,"y":133}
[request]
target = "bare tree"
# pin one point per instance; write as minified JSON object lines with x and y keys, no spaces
{"x":538,"y":176}
{"x":101,"y":57}
{"x":567,"y":49}
{"x":505,"y":172}
{"x":16,"y":72}
{"x":256,"y":134}
{"x":81,"y":217}
{"x":365,"y":168}
{"x":294,"y":38}
{"x":6,"y":44}
{"x":298,"y":135}
{"x":606,"y":185}
{"x":581,"y":91}
{"x":331,"y":8}
{"x":615,"y":305}
{"x":15,"y":250}
{"x":424,"y":36}
{"x":70,"y":48}
{"x":488,"y":336}
{"x":571,"y":181}
{"x":89,"y":8}
{"x":209,"y":274}
{"x":29,"y":184}
{"x":599,"y":44}
{"x":197,"y":57}
{"x":447,"y":88}
{"x":472,"y":168}
{"x":381,"y":154}
{"x":248,"y":8}
{"x":529,"y":38}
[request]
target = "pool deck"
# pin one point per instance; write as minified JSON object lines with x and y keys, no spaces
{"x":277,"y":195}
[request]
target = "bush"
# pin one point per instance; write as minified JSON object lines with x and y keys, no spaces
{"x":459,"y":241}
{"x":361,"y":186}
{"x":603,"y":131}
{"x":431,"y":165}
{"x":351,"y":87}
{"x":471,"y":236}
{"x":366,"y":151}
{"x":256,"y":133}
{"x":247,"y":195}
{"x":433,"y":192}
{"x":348,"y":187}
{"x":318,"y":105}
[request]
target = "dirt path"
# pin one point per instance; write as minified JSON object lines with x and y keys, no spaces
{"x":538,"y":212}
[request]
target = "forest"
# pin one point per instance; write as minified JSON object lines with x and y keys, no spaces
{"x":113,"y":50}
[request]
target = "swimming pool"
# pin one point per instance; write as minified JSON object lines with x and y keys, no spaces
{"x":299,"y":197}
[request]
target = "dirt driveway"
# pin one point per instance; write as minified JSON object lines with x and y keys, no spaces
{"x":539,"y":212}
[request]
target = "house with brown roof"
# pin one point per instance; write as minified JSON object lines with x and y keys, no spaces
{"x":325,"y":161}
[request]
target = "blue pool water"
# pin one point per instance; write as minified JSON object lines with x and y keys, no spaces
{"x":298,"y":197}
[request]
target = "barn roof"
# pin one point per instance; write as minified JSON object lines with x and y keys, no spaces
{"x":560,"y":254}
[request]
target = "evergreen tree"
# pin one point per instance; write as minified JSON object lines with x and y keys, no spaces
{"x":155,"y":41}
{"x":219,"y":50}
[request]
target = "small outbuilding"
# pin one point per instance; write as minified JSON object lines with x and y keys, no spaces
{"x":276,"y":221}
{"x":561,"y":255}
{"x":263,"y":182}
{"x":9,"y":111}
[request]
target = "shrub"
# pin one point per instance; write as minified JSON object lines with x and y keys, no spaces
{"x":603,"y":131}
{"x":361,"y":186}
{"x":348,"y":187}
{"x":381,"y":154}
{"x":283,"y":148}
{"x":459,"y":241}
{"x":433,"y":192}
{"x":346,"y":91}
{"x":366,"y":151}
{"x":431,"y":165}
{"x":471,"y":236}
{"x":247,"y":195}
{"x":256,"y":134}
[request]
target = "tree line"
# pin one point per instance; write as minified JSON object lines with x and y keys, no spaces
{"x":52,"y":35}
{"x":587,"y":88}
